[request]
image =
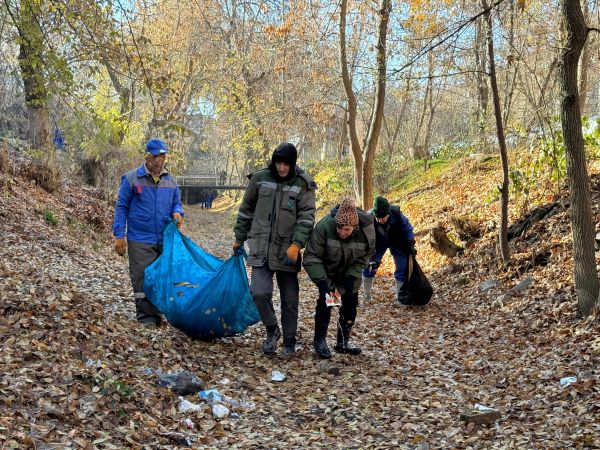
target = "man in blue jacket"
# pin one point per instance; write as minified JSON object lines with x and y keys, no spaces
{"x":393,"y":230}
{"x":148,"y":199}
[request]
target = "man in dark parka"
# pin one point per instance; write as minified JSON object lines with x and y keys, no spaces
{"x":275,"y":219}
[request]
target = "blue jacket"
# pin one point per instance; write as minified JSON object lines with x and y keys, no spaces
{"x":144,"y":207}
{"x":396,"y":233}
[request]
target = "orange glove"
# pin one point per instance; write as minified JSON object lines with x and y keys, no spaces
{"x":292,"y":254}
{"x":120,"y":246}
{"x":236,"y":246}
{"x":179,"y":218}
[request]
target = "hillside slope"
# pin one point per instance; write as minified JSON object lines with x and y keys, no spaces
{"x":78,"y":372}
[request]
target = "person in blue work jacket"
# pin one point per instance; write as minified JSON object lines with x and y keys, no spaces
{"x":148,"y":200}
{"x":393,"y":231}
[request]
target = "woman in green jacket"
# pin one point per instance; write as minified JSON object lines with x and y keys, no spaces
{"x":336,"y":253}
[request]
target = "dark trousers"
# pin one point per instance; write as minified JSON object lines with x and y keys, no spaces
{"x":261,"y":285}
{"x":141,"y":256}
{"x":347,"y":314}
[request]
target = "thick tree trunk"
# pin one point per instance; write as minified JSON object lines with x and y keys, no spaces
{"x":502,"y":233}
{"x":363,"y":168}
{"x":31,"y":61}
{"x":586,"y":275}
{"x":372,"y":139}
{"x":352,"y":103}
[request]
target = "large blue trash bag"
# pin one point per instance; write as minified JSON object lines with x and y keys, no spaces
{"x":197,"y":292}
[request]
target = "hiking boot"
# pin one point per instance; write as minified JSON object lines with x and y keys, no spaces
{"x":270,"y":344}
{"x":321,"y":348}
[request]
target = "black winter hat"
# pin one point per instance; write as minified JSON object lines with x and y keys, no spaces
{"x":286,"y":153}
{"x":381,"y":208}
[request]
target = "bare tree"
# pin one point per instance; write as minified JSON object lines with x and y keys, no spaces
{"x":502,"y":234}
{"x":586,"y":277}
{"x":364,"y":155}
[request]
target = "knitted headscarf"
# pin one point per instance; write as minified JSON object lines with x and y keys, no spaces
{"x":346,"y":214}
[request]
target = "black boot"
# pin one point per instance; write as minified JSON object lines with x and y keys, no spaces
{"x":289,"y":346}
{"x":343,"y":344}
{"x":320,"y":342}
{"x":321,"y":348}
{"x":402,"y":294}
{"x":270,"y":345}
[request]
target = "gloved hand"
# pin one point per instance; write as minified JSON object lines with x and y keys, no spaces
{"x":349,"y":283}
{"x":324,"y":289}
{"x":411,"y":247}
{"x":236,"y":246}
{"x":373,"y":266}
{"x":179,"y":218}
{"x":120,"y":246}
{"x":292,"y":252}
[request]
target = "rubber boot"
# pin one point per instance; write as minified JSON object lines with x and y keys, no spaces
{"x":270,"y":345}
{"x":320,"y":342}
{"x":343,"y":341}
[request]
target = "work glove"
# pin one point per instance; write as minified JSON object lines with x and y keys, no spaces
{"x":324,"y":289}
{"x":237,"y":245}
{"x":291,"y":254}
{"x":373,"y":266}
{"x":120,"y":246}
{"x":179,"y":218}
{"x":411,"y":248}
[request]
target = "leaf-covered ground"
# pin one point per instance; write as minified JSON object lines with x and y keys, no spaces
{"x":76,"y":371}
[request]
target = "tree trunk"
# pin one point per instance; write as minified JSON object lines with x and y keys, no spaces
{"x":378,"y":107}
{"x":502,"y":234}
{"x":363,"y":168}
{"x":428,"y":91}
{"x":586,"y":58}
{"x":352,"y":103}
{"x":482,"y":86}
{"x":510,"y":76}
{"x":31,"y":60}
{"x":586,"y":276}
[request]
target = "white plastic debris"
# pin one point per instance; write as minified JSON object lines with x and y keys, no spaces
{"x":482,"y":408}
{"x":566,"y":381}
{"x":276,"y":375}
{"x":219,"y":411}
{"x":189,"y":424}
{"x":187,"y":406}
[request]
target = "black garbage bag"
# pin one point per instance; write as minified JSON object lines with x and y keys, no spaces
{"x":418,"y":286}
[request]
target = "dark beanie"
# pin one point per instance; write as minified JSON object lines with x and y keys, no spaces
{"x":381,"y":208}
{"x":286,"y":153}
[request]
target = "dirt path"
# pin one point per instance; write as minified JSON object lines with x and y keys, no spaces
{"x":420,"y":368}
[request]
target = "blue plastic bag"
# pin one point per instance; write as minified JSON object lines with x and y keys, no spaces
{"x":197,"y":292}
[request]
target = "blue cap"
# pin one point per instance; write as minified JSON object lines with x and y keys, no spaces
{"x":156,"y":147}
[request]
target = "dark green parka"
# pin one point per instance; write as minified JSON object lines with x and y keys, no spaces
{"x":273,"y":215}
{"x":328,"y":257}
